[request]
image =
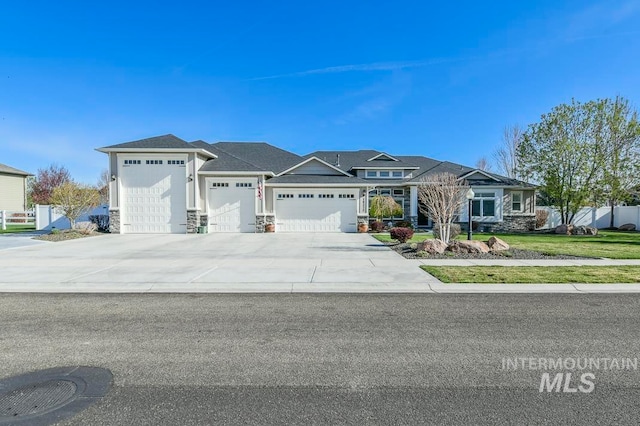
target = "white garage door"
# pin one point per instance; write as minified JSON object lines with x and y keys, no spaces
{"x":154,"y":194}
{"x":232,"y":205}
{"x":316,"y":211}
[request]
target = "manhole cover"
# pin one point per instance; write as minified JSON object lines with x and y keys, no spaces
{"x":48,"y":396}
{"x":36,"y":398}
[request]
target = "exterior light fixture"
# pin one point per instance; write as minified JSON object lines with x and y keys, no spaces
{"x":469,"y":196}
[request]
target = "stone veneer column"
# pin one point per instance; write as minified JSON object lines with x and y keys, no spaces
{"x":114,"y":221}
{"x":193,"y":221}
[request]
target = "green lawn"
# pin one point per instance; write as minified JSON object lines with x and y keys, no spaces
{"x":12,"y":228}
{"x":609,"y":244}
{"x":535,"y":274}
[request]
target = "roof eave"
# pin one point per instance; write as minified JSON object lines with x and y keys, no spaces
{"x":202,"y":151}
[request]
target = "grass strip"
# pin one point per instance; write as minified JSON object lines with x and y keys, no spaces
{"x":535,"y":274}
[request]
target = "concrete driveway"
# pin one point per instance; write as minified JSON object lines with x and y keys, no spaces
{"x":23,"y":239}
{"x":211,"y":263}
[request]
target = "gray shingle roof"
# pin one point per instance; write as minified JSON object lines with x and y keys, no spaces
{"x":158,"y":142}
{"x":260,"y":154}
{"x":13,"y":171}
{"x":315,"y":179}
{"x":350,"y":159}
{"x":225,"y":161}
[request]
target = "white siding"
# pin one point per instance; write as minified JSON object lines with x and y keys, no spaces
{"x":12,"y":193}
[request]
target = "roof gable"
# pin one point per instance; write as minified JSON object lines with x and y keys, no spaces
{"x":482,"y":175}
{"x":383,"y":156}
{"x":314,"y":166}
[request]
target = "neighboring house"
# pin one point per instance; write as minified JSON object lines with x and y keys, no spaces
{"x":167,"y":185}
{"x":13,"y":189}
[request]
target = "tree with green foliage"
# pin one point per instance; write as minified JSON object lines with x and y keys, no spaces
{"x":74,"y":199}
{"x":382,"y":206}
{"x":621,"y":136}
{"x":564,"y":152}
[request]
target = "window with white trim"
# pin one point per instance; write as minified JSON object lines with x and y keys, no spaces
{"x":243,"y":185}
{"x":396,"y":173}
{"x":516,"y":201}
{"x":176,"y":162}
{"x":484,"y":204}
{"x":281,"y":196}
{"x":131,"y":162}
{"x":219,"y":184}
{"x":154,"y":161}
{"x":346,"y":196}
{"x":305,"y":195}
{"x":385,"y":174}
{"x":398,"y":192}
{"x":372,"y":173}
{"x":325,"y":195}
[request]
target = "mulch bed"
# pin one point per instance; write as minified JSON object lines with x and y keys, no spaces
{"x":405,"y":250}
{"x":65,"y":235}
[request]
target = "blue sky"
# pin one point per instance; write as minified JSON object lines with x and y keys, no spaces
{"x":403,"y":77}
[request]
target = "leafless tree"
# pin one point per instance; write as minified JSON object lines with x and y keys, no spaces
{"x":506,"y":155}
{"x":103,"y":186}
{"x":483,"y":164}
{"x":442,"y":197}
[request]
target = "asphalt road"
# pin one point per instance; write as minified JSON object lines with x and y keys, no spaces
{"x":329,"y":359}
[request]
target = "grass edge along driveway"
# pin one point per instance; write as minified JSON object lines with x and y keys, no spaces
{"x":535,"y":274}
{"x":607,"y":244}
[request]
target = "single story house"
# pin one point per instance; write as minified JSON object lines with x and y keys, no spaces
{"x":13,"y":189}
{"x":167,"y":185}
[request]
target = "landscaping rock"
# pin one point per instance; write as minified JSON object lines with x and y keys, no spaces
{"x":564,"y":229}
{"x":466,"y":246}
{"x":434,"y":246}
{"x":579,"y":230}
{"x":496,"y":244}
{"x":590,"y":230}
{"x":627,"y":227}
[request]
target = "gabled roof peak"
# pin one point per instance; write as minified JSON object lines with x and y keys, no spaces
{"x":384,"y":157}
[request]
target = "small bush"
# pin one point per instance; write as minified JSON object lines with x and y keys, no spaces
{"x":376,"y":226}
{"x":422,"y":253}
{"x":403,"y":224}
{"x":455,"y":231}
{"x":101,"y":221}
{"x":55,"y":231}
{"x":85,"y":228}
{"x":506,"y":253}
{"x":414,"y":246}
{"x":541,"y":218}
{"x":401,"y":234}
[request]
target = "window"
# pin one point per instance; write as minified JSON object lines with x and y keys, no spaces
{"x":243,"y":185}
{"x":154,"y":161}
{"x":325,"y":195}
{"x":130,"y":162}
{"x":384,"y":174}
{"x":516,"y":201}
{"x":385,"y":192}
{"x":396,"y":174}
{"x":280,"y":196}
{"x":484,"y":204}
{"x":373,"y":193}
{"x":372,"y":173}
{"x":398,"y":192}
{"x":220,"y":184}
{"x":176,"y":162}
{"x":305,"y":195}
{"x":346,"y":196}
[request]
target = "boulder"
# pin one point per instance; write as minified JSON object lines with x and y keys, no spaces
{"x":434,"y":246}
{"x":627,"y":227}
{"x":466,"y":246}
{"x":496,"y":244}
{"x":579,"y":230}
{"x":590,"y":230}
{"x":564,"y":229}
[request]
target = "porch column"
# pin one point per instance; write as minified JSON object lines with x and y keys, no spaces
{"x":413,"y":203}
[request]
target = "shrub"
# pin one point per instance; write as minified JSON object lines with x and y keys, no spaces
{"x":55,"y":231}
{"x":403,"y":224}
{"x":414,"y":246}
{"x":454,"y":232}
{"x":401,"y":234}
{"x":422,"y":253}
{"x":376,"y":226}
{"x":85,"y":228}
{"x":541,"y":218}
{"x":101,"y":221}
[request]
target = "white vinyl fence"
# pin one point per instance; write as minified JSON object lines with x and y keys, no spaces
{"x":16,"y":218}
{"x":48,"y":217}
{"x":598,"y":217}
